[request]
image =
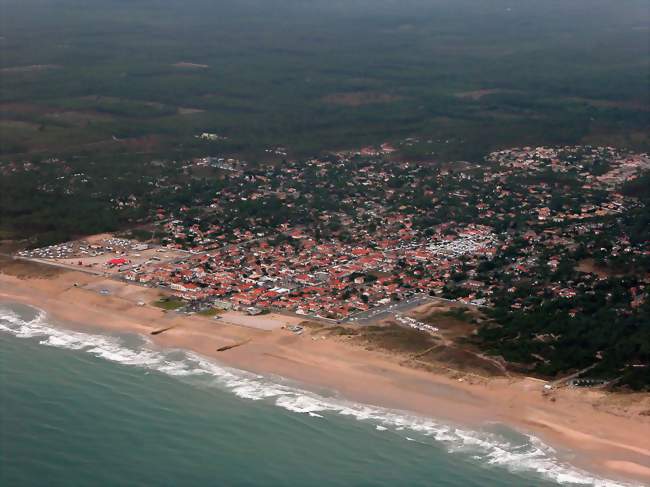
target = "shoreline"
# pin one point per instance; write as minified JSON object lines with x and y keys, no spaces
{"x":604,"y":439}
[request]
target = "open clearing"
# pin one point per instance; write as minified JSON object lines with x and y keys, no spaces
{"x":478,"y":94}
{"x":187,"y":65}
{"x":267,"y":322}
{"x":360,"y":98}
{"x":32,"y":68}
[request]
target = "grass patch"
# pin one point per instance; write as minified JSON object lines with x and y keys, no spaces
{"x":169,"y":304}
{"x":139,"y":234}
{"x":460,"y":314}
{"x":5,"y":234}
{"x":342,"y":331}
{"x":23,"y":269}
{"x":392,"y":338}
{"x":399,"y":339}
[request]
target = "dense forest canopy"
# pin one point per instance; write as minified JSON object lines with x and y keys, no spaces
{"x":320,"y":75}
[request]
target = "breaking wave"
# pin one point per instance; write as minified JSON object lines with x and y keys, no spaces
{"x":529,"y":456}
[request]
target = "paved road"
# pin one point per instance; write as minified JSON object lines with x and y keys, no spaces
{"x":566,"y":379}
{"x":382,"y":312}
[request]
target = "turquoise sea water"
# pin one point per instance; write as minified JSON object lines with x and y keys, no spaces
{"x":79,"y":409}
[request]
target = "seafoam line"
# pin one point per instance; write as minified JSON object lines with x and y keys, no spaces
{"x":532,"y":457}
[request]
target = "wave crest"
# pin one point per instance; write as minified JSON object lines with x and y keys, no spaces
{"x":533,"y":456}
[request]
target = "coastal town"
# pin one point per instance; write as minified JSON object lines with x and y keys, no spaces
{"x":300,"y":243}
{"x":521,"y":267}
{"x":354,"y":231}
{"x":548,"y":247}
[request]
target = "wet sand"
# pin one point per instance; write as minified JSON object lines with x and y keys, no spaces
{"x":605,"y":433}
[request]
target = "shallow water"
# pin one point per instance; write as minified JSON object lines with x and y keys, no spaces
{"x":94,"y":409}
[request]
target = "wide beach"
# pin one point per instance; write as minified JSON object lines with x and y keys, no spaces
{"x":604,"y":433}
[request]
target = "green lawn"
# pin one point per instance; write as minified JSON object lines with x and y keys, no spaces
{"x":210,"y":312}
{"x":169,"y":304}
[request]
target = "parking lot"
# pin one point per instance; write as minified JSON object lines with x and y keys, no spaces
{"x":103,"y":253}
{"x":387,"y":311}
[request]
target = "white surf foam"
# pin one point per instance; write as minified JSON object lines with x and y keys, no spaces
{"x":489,"y":448}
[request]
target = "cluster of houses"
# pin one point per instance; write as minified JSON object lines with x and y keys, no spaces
{"x":595,"y":174}
{"x":369,"y":242}
{"x":351,"y":231}
{"x":327,"y":279}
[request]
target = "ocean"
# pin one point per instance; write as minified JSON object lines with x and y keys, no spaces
{"x":84,"y":409}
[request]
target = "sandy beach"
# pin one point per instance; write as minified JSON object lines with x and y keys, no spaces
{"x":605,"y":433}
